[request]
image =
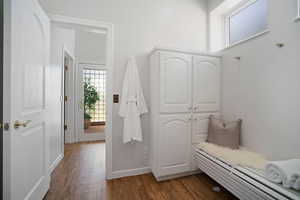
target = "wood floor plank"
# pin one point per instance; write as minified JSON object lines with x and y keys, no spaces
{"x":81,"y":176}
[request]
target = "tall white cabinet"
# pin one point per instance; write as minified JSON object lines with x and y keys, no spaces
{"x":185,"y":90}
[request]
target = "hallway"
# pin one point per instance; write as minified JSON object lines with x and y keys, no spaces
{"x":81,"y":176}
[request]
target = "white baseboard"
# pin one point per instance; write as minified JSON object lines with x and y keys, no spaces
{"x":163,"y":178}
{"x":91,"y":139}
{"x":130,"y":172}
{"x":55,"y":163}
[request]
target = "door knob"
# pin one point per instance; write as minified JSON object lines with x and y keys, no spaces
{"x":18,"y":124}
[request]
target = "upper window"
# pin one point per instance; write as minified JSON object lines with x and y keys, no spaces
{"x":298,"y":10}
{"x":246,"y":21}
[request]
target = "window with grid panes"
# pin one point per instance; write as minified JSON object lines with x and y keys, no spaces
{"x":97,"y":78}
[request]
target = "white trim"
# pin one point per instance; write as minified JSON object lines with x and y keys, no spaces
{"x":109,"y":81}
{"x":92,"y":66}
{"x":66,"y":50}
{"x":163,"y":178}
{"x":298,"y":11}
{"x":79,"y":21}
{"x":226,"y":29}
{"x":239,"y":7}
{"x":91,"y":63}
{"x":90,"y":139}
{"x":6,"y":99}
{"x":130,"y":172}
{"x":247,"y":39}
{"x":55,"y":163}
{"x":200,"y":53}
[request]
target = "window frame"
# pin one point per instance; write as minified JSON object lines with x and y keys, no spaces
{"x":298,"y":11}
{"x":235,"y":10}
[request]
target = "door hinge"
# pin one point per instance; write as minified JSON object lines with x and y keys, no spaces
{"x":66,"y":98}
{"x":66,"y":67}
{"x":4,"y":126}
{"x":65,"y":127}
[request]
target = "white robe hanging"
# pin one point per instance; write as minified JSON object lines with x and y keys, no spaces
{"x":133,"y":104}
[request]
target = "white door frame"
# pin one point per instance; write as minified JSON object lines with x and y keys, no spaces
{"x":80,"y":136}
{"x":109,"y":28}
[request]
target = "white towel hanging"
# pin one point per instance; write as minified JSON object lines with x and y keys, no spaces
{"x":133,"y":104}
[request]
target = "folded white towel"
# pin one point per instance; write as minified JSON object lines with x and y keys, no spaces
{"x":285,"y":172}
{"x":296,"y":185}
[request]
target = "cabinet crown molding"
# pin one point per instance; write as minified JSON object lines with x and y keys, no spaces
{"x":188,"y":51}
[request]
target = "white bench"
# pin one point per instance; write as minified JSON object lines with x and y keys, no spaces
{"x":243,"y":183}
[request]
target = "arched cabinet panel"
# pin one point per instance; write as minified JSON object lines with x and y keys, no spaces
{"x":174,"y":143}
{"x":175,"y":78}
{"x":206,"y":84}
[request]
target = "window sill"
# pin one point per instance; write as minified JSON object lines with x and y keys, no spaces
{"x":246,"y":40}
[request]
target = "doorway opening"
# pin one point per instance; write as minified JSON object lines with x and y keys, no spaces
{"x":93,"y":95}
{"x":87,"y":63}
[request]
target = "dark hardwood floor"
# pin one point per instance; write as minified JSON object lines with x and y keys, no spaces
{"x":81,"y":176}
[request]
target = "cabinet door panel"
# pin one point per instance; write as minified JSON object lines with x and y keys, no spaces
{"x":174,"y":144}
{"x":175,"y":79}
{"x":200,"y":127}
{"x":206,"y":84}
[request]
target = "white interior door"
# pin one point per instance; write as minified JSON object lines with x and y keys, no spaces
{"x":175,"y":80}
{"x":69,"y":97}
{"x":28,"y":155}
{"x":174,"y":144}
{"x":206,"y":84}
{"x":97,"y":76}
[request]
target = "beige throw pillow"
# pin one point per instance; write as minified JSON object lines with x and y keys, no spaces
{"x":223,"y":133}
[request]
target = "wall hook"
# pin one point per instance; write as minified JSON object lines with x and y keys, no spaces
{"x":280,"y":45}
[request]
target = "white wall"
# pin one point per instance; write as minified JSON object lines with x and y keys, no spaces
{"x":59,"y":37}
{"x":264,"y":87}
{"x":212,"y":4}
{"x":139,"y":26}
{"x":90,"y":47}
